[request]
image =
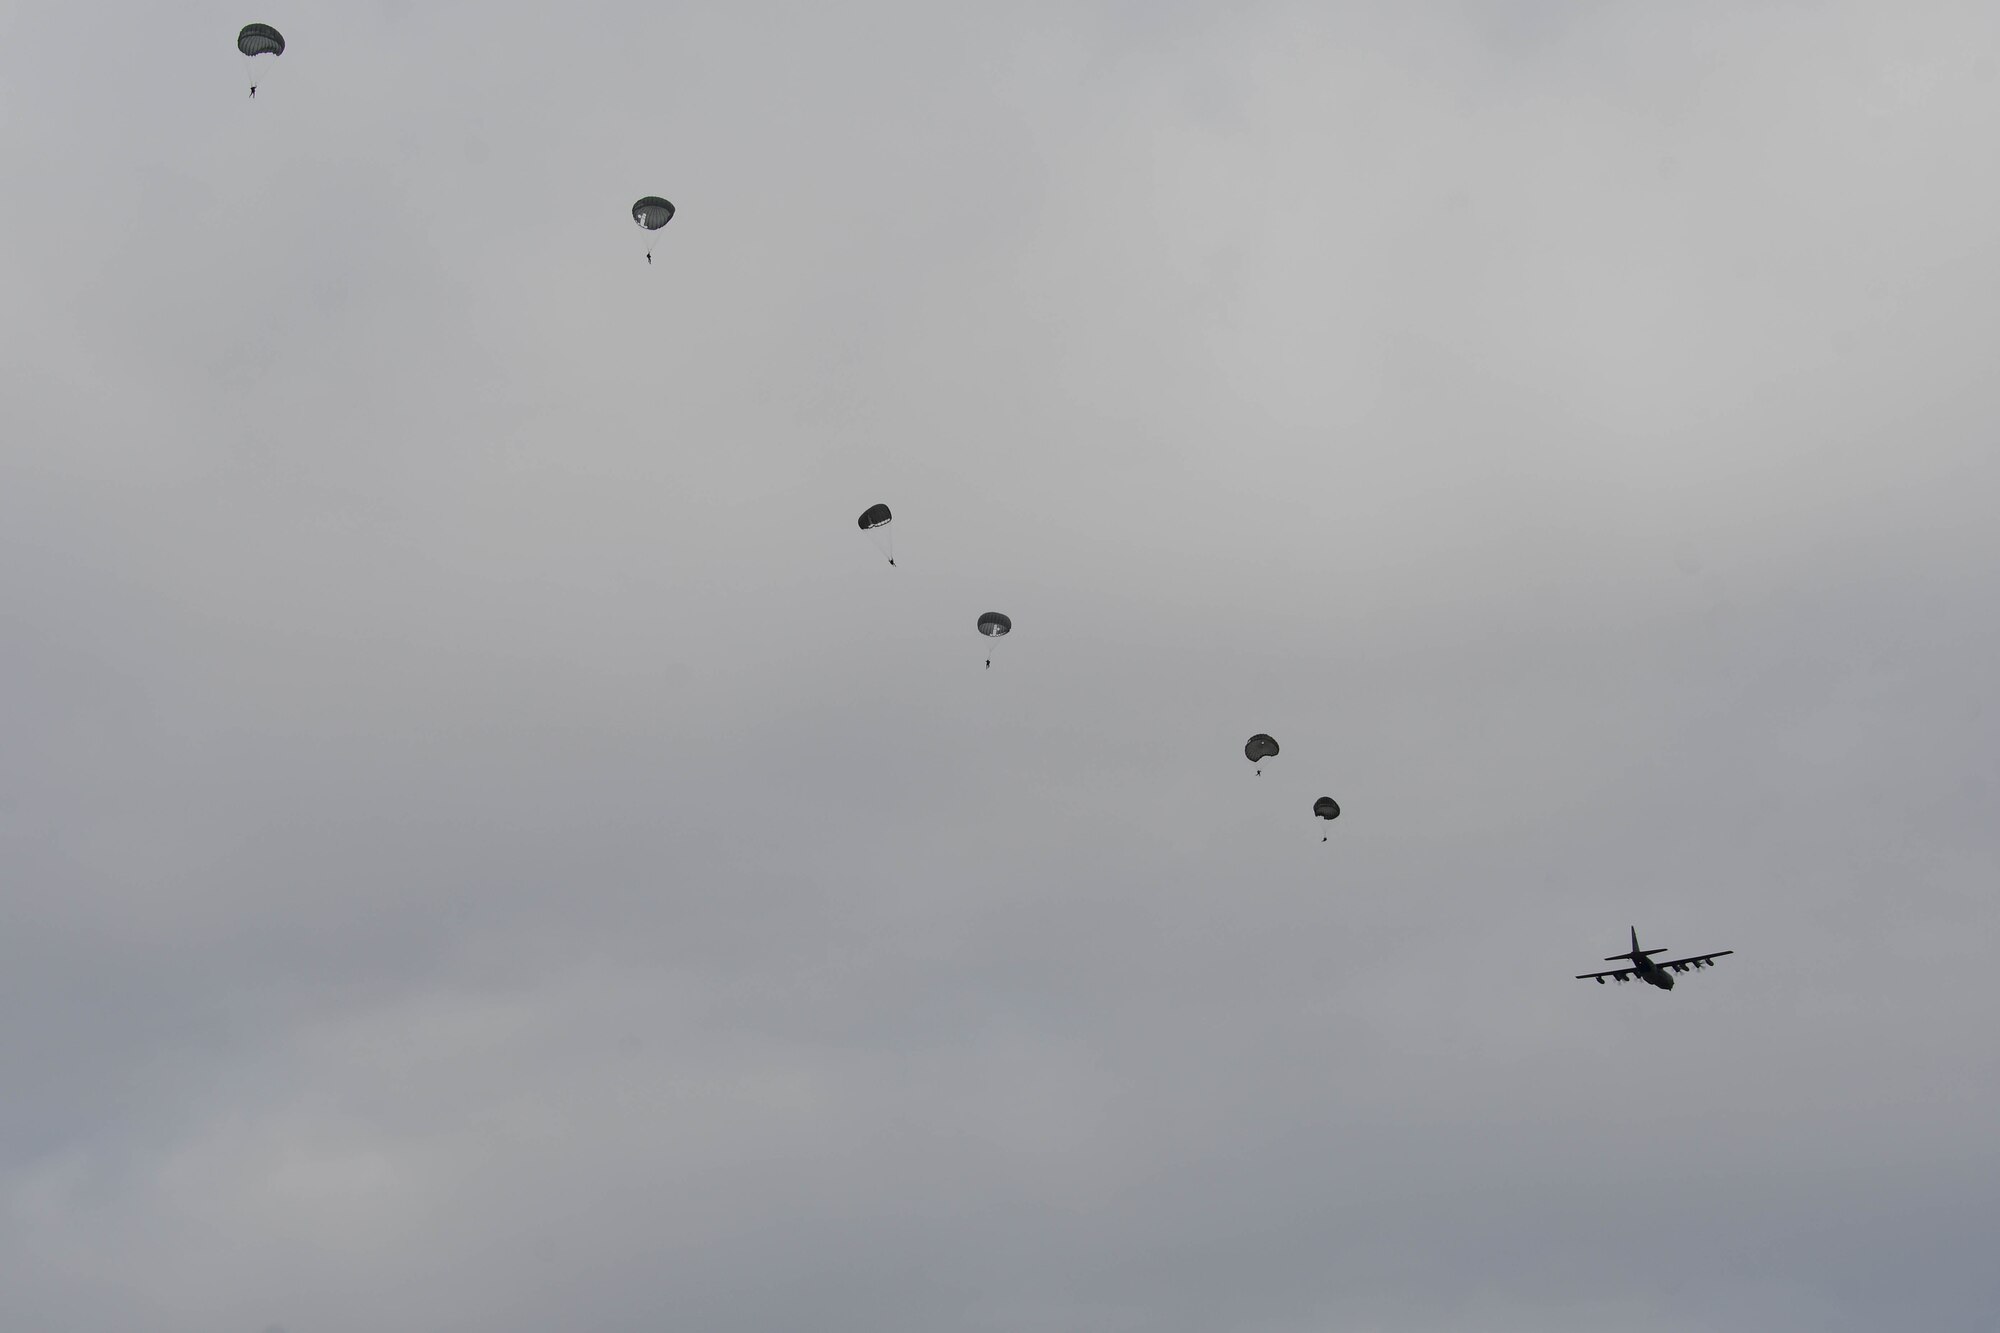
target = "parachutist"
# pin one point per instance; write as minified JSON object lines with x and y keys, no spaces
{"x":259,"y":39}
{"x":892,"y":564}
{"x":652,"y":213}
{"x":874,"y":520}
{"x":989,"y":664}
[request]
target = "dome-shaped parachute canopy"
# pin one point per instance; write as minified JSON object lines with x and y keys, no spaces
{"x":874,"y":516}
{"x":652,"y":212}
{"x":993,"y":624}
{"x":260,"y":39}
{"x":1259,"y":747}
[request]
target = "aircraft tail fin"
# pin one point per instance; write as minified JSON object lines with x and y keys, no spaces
{"x":1636,"y":954}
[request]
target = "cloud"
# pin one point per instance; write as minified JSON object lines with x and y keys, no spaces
{"x":493,"y":847}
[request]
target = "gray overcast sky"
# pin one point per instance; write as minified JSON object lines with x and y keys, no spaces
{"x":489,"y":846}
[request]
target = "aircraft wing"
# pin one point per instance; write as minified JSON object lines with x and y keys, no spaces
{"x":1620,"y":974}
{"x":1695,"y":960}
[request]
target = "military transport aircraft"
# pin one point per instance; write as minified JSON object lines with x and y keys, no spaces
{"x":1648,"y":971}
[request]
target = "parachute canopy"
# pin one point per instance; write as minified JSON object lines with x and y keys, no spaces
{"x":652,"y":212}
{"x":260,"y":39}
{"x":993,"y":624}
{"x":874,"y":516}
{"x":1259,"y":747}
{"x":1327,"y":808}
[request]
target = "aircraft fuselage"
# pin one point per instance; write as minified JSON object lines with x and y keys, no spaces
{"x":1654,"y":976}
